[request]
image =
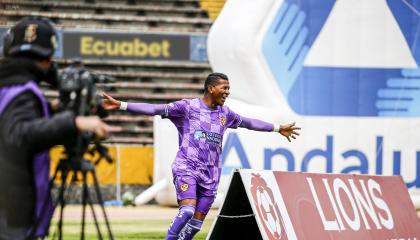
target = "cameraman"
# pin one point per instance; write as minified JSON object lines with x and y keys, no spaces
{"x":27,"y":130}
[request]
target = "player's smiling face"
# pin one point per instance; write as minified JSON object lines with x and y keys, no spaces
{"x":220,"y":92}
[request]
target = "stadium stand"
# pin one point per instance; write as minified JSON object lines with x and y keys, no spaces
{"x":213,"y":7}
{"x":151,"y":23}
{"x":162,"y":15}
{"x":153,"y":81}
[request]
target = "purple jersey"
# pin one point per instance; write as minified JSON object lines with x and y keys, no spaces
{"x":200,"y":130}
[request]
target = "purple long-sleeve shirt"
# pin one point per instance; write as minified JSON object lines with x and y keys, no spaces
{"x":200,"y":133}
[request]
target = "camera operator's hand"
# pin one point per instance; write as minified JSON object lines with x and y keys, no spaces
{"x":55,"y":105}
{"x":110,"y":103}
{"x":93,"y":124}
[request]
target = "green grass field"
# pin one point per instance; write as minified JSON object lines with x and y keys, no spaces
{"x":144,"y":222}
{"x":123,"y":229}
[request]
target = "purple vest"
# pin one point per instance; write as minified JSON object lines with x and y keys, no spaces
{"x":41,"y":162}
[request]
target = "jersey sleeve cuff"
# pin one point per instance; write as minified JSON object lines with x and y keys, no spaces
{"x":123,"y":106}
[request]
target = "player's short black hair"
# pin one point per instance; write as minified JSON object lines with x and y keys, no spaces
{"x":213,"y":78}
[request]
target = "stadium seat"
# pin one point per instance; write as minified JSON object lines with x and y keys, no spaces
{"x":139,"y":9}
{"x":88,"y":20}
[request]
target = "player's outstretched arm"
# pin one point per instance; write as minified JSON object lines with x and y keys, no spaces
{"x":287,"y":130}
{"x":110,"y":103}
{"x":256,"y":125}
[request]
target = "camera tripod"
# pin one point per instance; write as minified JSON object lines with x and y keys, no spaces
{"x":77,"y":93}
{"x":77,"y":165}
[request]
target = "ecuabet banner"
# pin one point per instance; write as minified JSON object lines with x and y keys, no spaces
{"x":129,"y":46}
{"x":112,"y":45}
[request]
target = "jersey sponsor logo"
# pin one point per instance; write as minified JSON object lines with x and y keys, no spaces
{"x":325,"y":65}
{"x":199,"y":134}
{"x":210,"y":137}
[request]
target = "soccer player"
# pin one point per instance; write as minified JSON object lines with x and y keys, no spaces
{"x":201,"y":123}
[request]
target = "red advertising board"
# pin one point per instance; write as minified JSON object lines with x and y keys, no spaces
{"x":290,"y":205}
{"x":332,"y":206}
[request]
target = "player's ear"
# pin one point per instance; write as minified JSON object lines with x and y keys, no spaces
{"x":210,"y":89}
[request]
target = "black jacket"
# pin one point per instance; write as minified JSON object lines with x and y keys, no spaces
{"x":23,"y":133}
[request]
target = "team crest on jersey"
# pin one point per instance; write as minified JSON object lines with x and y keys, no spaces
{"x":223,"y":120}
{"x":184,"y":187}
{"x":30,"y":33}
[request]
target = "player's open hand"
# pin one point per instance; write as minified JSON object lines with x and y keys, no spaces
{"x":110,"y":103}
{"x":289,"y":131}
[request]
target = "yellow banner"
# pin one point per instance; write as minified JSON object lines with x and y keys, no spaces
{"x":136,"y":165}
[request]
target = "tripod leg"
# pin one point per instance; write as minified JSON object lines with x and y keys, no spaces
{"x":95,"y":219}
{"x":84,"y":195}
{"x":62,"y":203}
{"x":101,"y":203}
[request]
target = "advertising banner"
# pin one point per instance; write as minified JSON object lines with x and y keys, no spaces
{"x":347,"y":72}
{"x":127,"y":46}
{"x":289,"y":205}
